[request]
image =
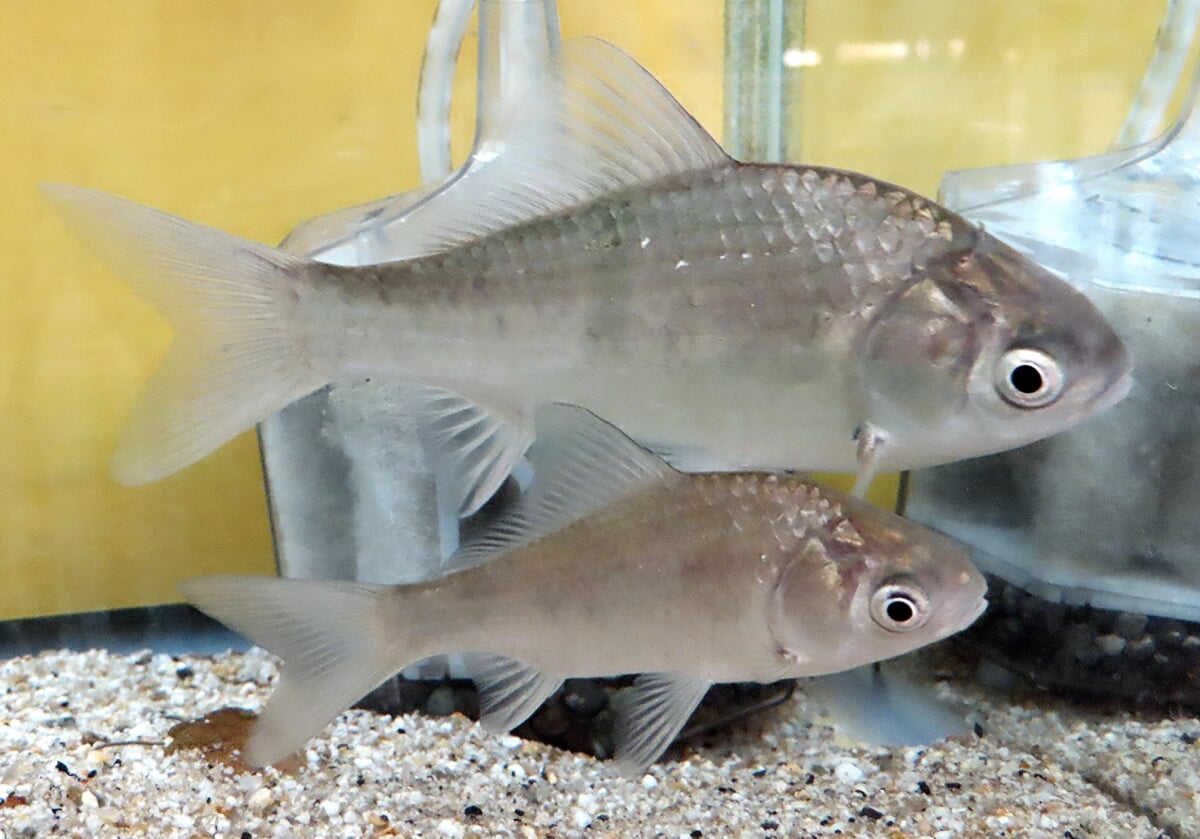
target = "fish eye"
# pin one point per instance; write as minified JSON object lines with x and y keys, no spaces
{"x":899,"y":606}
{"x":1028,"y":378}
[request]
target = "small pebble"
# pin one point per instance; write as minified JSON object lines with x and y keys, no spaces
{"x":848,"y":773}
{"x":451,"y":828}
{"x":261,"y":799}
{"x":580,"y":818}
{"x":448,"y":777}
{"x":1110,"y":644}
{"x":99,"y":757}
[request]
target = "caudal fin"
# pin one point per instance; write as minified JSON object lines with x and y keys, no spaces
{"x":330,"y":635}
{"x":235,"y":359}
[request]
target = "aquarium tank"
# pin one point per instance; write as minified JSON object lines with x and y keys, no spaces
{"x":1066,"y":130}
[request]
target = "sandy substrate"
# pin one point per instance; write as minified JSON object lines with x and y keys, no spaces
{"x":1039,"y":768}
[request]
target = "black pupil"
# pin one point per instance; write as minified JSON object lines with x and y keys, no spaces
{"x":899,"y":610}
{"x":1026,"y":379}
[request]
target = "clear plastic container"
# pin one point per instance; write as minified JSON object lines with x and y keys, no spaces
{"x":350,"y":491}
{"x":1107,"y":514}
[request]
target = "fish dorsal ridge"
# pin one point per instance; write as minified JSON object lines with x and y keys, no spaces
{"x":580,"y":464}
{"x":599,"y":122}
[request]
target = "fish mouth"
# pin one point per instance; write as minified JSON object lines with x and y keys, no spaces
{"x":1115,"y":392}
{"x":963,"y":620}
{"x":980,"y":608}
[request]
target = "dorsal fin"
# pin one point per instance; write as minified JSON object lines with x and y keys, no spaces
{"x":581,"y":463}
{"x":599,"y":123}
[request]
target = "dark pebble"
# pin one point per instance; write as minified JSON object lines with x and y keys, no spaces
{"x":923,"y":788}
{"x":584,"y":697}
{"x":602,"y":733}
{"x":441,"y":702}
{"x":578,"y":737}
{"x":871,"y":813}
{"x":1130,"y":626}
{"x":696,"y":834}
{"x":770,"y":825}
{"x":185,"y":672}
{"x":466,"y":701}
{"x":552,"y":720}
{"x":1155,"y":663}
{"x":472,"y":811}
{"x":1140,"y":649}
{"x":397,"y":696}
{"x":1170,"y":633}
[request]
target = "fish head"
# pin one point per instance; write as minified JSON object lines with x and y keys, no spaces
{"x":871,"y":586}
{"x":985,"y":351}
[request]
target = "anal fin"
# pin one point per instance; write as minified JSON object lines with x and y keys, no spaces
{"x":509,"y":691}
{"x":650,"y":716}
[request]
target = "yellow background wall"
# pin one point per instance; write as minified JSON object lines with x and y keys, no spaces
{"x":252,"y":115}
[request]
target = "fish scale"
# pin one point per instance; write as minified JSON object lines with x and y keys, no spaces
{"x":539,"y":269}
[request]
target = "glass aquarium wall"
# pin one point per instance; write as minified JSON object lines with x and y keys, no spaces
{"x":253,"y":117}
{"x":247,"y":116}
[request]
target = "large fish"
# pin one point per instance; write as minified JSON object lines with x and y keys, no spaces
{"x":610,"y":254}
{"x":610,"y":563}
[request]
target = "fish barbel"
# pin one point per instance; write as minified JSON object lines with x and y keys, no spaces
{"x":610,"y":254}
{"x":612,"y":563}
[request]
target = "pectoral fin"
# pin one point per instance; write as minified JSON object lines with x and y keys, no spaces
{"x":651,"y":714}
{"x":883,"y":707}
{"x":509,"y":691}
{"x":470,"y":447}
{"x":871,"y":443}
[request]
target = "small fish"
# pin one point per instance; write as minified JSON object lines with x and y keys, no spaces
{"x":610,"y":563}
{"x":610,"y":254}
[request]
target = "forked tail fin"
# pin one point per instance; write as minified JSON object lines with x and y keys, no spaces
{"x":235,"y":359}
{"x":331,"y":636}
